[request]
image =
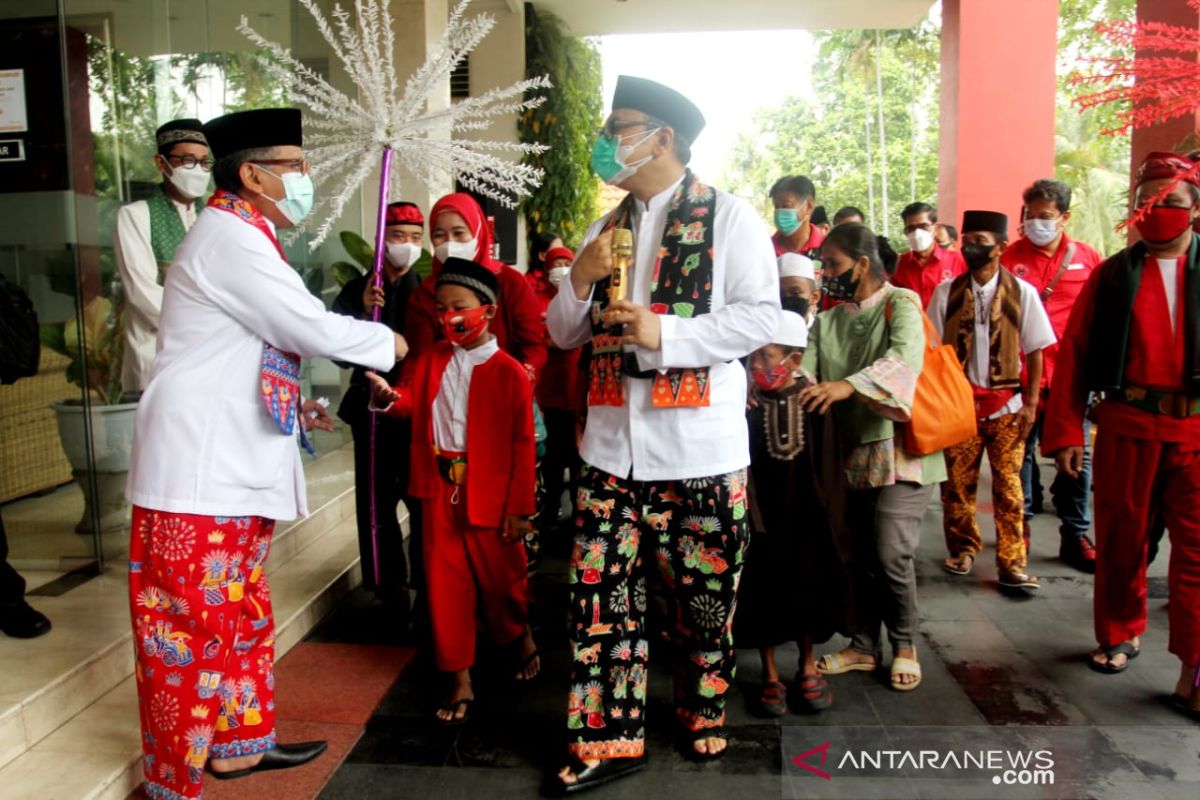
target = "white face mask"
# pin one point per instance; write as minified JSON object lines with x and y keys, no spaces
{"x":557,"y":275}
{"x":453,"y":249}
{"x":1041,"y":231}
{"x":919,"y":240}
{"x":403,"y":254}
{"x":192,"y":182}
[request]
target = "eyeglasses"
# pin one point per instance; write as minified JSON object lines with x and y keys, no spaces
{"x":294,"y":164}
{"x":187,"y":162}
{"x":613,"y":127}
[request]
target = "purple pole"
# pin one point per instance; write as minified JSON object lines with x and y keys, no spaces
{"x":385,"y":174}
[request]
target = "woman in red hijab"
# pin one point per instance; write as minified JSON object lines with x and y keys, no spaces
{"x":458,"y":228}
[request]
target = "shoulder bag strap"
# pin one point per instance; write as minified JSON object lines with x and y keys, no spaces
{"x":1062,"y":267}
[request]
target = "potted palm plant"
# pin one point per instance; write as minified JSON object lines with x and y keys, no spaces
{"x":95,"y":351}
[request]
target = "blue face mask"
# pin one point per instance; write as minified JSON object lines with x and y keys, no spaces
{"x":297,"y":199}
{"x":609,"y":158}
{"x":787,"y":221}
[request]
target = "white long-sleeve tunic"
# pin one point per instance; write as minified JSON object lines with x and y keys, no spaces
{"x":204,"y":442}
{"x":676,"y":443}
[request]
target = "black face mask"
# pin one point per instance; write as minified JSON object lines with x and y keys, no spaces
{"x":798,"y":305}
{"x":977,"y":256}
{"x":841,"y":287}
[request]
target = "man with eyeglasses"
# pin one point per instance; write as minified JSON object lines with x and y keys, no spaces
{"x":148,"y":231}
{"x":1058,"y":267}
{"x":662,"y":493}
{"x":927,"y":263}
{"x":215,"y":460}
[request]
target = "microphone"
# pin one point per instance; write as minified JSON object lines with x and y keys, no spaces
{"x":622,"y":249}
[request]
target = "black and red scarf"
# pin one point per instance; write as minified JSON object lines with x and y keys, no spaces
{"x":681,"y":284}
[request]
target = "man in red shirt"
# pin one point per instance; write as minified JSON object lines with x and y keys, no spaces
{"x":793,"y":198}
{"x":1132,"y":335}
{"x":926,"y":264}
{"x":1058,"y":267}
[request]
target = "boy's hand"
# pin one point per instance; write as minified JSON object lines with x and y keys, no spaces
{"x":514,"y":528}
{"x":382,"y":395}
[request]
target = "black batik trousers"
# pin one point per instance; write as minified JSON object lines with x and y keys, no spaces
{"x":690,"y":534}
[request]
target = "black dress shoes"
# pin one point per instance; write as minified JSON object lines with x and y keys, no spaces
{"x":282,"y":756}
{"x":21,"y":621}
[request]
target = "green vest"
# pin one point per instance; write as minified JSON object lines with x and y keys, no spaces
{"x":166,"y":230}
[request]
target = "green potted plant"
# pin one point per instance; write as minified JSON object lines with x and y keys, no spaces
{"x":95,"y":351}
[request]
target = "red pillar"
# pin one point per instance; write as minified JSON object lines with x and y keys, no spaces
{"x":1176,"y":134}
{"x":997,"y":108}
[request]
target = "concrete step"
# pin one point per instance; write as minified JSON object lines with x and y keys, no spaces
{"x":50,"y":682}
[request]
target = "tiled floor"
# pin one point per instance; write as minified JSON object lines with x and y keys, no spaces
{"x":988,"y":661}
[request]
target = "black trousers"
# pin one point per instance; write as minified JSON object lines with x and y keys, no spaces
{"x":561,"y":455}
{"x":12,"y":585}
{"x":393,"y":438}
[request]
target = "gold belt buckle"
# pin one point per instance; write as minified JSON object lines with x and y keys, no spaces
{"x":1175,"y":405}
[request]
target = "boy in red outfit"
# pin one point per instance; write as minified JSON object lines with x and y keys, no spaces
{"x":473,"y":470}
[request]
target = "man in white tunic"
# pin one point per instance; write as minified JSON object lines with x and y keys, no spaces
{"x":666,"y":446}
{"x":215,"y":461}
{"x":148,"y":232}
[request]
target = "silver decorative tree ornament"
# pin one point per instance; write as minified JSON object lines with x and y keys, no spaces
{"x":345,"y":137}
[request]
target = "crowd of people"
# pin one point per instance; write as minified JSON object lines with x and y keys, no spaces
{"x":730,"y":412}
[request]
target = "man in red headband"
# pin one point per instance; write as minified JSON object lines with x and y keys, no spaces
{"x":359,"y":297}
{"x":1134,"y":340}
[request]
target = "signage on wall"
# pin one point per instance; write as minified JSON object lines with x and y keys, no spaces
{"x":13,"y":118}
{"x":11,"y":150}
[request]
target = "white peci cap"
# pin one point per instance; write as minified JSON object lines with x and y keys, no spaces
{"x":794,"y":265}
{"x":791,"y":330}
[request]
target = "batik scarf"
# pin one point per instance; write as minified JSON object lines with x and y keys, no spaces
{"x":280,"y":369}
{"x":1004,"y":343}
{"x":681,"y":284}
{"x":166,"y":230}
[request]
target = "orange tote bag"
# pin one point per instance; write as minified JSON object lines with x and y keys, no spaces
{"x":943,"y":410}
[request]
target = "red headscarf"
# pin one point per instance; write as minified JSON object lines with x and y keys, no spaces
{"x":466,"y":207}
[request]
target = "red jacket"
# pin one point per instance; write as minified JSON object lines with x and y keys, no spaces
{"x":501,"y":454}
{"x":943,"y":265}
{"x":812,"y":248}
{"x":558,"y":383}
{"x":1026,"y":261}
{"x":1155,"y":360}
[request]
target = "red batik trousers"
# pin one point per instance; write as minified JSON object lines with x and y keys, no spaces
{"x":205,"y":643}
{"x":1137,"y":481}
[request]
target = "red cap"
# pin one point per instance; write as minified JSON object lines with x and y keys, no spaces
{"x":1168,"y":165}
{"x":404,"y":214}
{"x":555,"y":253}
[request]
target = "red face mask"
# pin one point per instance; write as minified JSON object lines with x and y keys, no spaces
{"x":769,"y":380}
{"x":464,"y":327}
{"x":1164,"y":223}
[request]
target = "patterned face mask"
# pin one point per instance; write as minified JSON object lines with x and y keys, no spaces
{"x":464,"y":327}
{"x":769,"y":380}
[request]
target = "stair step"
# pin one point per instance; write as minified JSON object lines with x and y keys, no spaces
{"x":101,"y":742}
{"x":49,"y":680}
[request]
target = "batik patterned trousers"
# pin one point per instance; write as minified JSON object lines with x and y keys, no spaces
{"x":205,"y":643}
{"x":693,"y":535}
{"x":1001,"y":438}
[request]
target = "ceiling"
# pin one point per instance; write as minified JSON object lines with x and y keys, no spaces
{"x":601,"y":17}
